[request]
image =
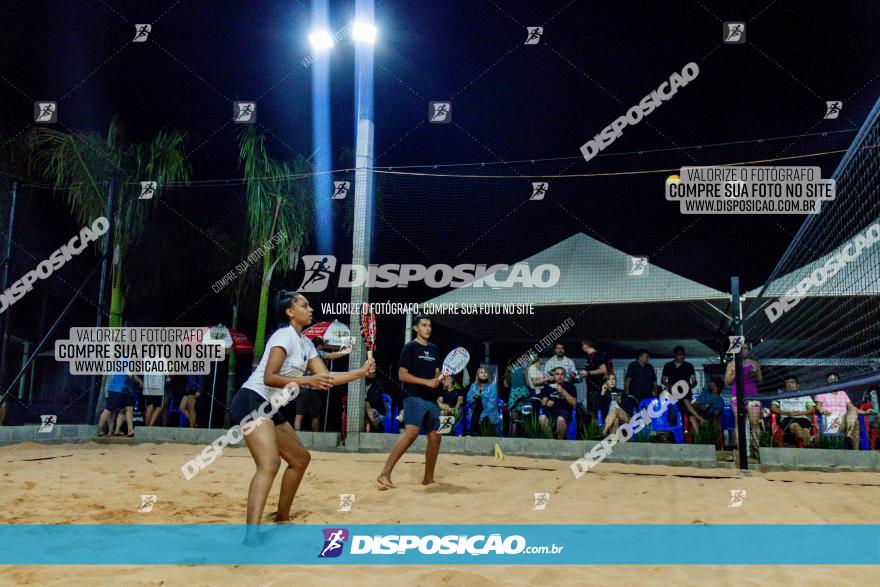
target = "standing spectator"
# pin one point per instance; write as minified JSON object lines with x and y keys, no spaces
{"x":520,"y":390}
{"x":195,"y":385}
{"x":796,"y":414}
{"x":841,"y":416}
{"x":374,"y":405}
{"x":126,"y":413}
{"x":641,"y":379}
{"x":167,"y":397}
{"x":752,"y":376}
{"x":557,"y":399}
{"x":597,"y":368}
{"x":560,"y":360}
{"x":328,"y":355}
{"x":482,"y":398}
{"x":154,"y":391}
{"x":708,"y":405}
{"x":679,"y":370}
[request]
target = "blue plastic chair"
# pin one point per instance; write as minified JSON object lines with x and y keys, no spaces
{"x":466,"y":421}
{"x":389,"y":421}
{"x":661,"y":424}
{"x":571,"y":433}
{"x":182,"y":423}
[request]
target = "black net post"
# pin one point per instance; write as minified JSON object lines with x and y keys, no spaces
{"x":742,"y":413}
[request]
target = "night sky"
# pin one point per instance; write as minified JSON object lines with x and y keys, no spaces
{"x":511,"y":102}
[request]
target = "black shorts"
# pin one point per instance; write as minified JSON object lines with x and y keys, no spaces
{"x":787,"y":421}
{"x":153,"y":400}
{"x":247,"y":401}
{"x":308,"y":404}
{"x":117,"y":401}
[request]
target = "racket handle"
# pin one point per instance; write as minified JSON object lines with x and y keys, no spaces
{"x":370,"y":355}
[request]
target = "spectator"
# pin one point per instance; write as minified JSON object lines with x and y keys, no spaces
{"x":841,"y":416}
{"x":451,"y":399}
{"x":482,"y":398}
{"x":752,"y":376}
{"x":560,"y":360}
{"x":597,"y":368}
{"x":641,"y":379}
{"x":328,"y":355}
{"x":154,"y":390}
{"x":557,"y":399}
{"x":178,"y":393}
{"x":708,"y":405}
{"x":374,"y":405}
{"x":195,"y":385}
{"x":117,"y":396}
{"x":166,"y":399}
{"x":2,"y":410}
{"x":535,"y":378}
{"x":615,"y":406}
{"x":126,"y":413}
{"x":520,"y":390}
{"x":680,"y":370}
{"x":308,"y":407}
{"x":869,"y":406}
{"x":795,"y":414}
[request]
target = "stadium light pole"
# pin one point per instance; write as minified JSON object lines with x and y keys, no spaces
{"x":364,"y":35}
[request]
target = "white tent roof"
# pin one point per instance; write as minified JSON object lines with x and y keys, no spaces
{"x":591,"y":272}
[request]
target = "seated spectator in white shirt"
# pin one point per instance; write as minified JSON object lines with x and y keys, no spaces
{"x":795,"y":414}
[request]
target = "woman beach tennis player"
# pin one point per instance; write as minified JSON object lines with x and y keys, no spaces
{"x":288,"y":355}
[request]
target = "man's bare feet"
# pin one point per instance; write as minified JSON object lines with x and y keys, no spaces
{"x":385,"y":481}
{"x":428,"y":481}
{"x":280,"y":518}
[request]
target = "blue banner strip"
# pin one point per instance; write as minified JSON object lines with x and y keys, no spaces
{"x":117,"y":544}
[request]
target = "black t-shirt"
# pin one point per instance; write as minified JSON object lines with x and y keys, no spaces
{"x":420,"y":361}
{"x":450,"y":398}
{"x":594,"y":361}
{"x":643,"y":379}
{"x":560,"y":404}
{"x":676,"y":373}
{"x":629,"y":404}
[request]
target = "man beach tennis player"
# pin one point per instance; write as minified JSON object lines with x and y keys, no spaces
{"x":419,"y":372}
{"x":288,"y":354}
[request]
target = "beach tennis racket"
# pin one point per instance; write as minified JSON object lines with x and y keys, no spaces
{"x":456,"y":361}
{"x":368,"y":329}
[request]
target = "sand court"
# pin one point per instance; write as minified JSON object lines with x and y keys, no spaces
{"x":96,"y":483}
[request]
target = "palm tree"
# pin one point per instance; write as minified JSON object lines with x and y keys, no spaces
{"x":279,"y":202}
{"x":83,"y":164}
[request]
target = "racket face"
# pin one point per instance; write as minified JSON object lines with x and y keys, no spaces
{"x":368,"y":328}
{"x":456,"y":361}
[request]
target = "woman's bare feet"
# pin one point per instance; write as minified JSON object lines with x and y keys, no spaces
{"x":428,"y":481}
{"x":385,"y":481}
